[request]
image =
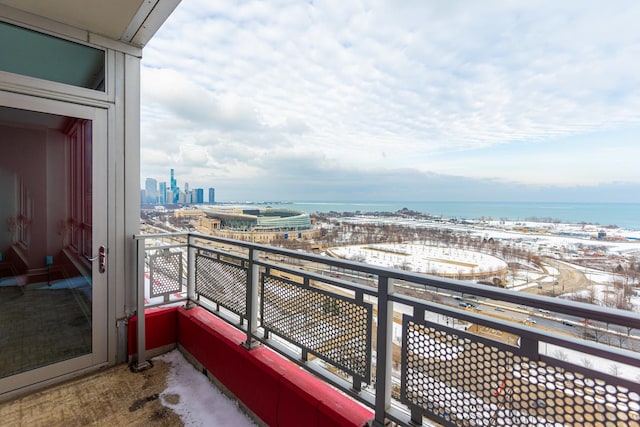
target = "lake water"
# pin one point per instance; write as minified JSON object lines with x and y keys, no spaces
{"x":624,"y":215}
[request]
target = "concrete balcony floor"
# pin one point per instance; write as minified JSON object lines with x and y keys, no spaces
{"x":168,"y":394}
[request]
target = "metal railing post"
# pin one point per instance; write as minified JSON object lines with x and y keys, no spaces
{"x":253,"y":277}
{"x":141,"y":361}
{"x":191,"y":271}
{"x":384,"y":351}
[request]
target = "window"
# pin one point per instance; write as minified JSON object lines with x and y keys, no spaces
{"x":34,"y":54}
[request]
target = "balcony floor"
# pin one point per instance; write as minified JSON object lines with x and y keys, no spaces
{"x":117,"y":396}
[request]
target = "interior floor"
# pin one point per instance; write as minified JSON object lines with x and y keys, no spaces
{"x":40,"y":325}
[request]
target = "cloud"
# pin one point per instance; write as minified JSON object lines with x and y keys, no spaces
{"x":311,"y":178}
{"x":196,"y":105}
{"x":433,"y":88}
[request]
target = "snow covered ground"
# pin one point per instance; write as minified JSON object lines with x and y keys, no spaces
{"x":549,"y":235}
{"x":556,"y":240}
{"x":437,"y":260}
{"x":596,"y":363}
{"x":199,"y":403}
{"x":557,"y":237}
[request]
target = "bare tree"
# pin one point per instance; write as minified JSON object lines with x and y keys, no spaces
{"x":614,"y":370}
{"x":560,"y":355}
{"x":592,"y":296}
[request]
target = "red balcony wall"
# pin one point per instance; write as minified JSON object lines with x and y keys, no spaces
{"x":218,"y":347}
{"x":277,"y":390}
{"x":274,"y":388}
{"x":161,"y":329}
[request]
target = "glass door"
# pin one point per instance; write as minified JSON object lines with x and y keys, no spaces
{"x":53,"y":234}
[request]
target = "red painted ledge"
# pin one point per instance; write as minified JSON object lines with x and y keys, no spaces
{"x":161,"y":329}
{"x":275,"y":389}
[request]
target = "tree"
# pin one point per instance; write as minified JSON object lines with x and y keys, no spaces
{"x":560,"y":355}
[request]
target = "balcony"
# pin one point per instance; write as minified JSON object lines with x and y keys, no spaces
{"x":410,"y":349}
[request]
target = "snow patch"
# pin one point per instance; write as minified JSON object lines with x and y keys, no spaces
{"x":201,"y":403}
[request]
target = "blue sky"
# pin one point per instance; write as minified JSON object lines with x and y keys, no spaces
{"x":411,"y":100}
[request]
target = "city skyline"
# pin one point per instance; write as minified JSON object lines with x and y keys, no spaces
{"x":379,"y":101}
{"x":157,"y":192}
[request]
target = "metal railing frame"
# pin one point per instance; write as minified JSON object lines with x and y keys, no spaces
{"x":386,"y":295}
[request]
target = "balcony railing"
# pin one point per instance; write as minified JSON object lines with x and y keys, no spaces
{"x":412,"y":347}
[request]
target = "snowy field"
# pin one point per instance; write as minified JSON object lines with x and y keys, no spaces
{"x":543,"y":235}
{"x":551,"y":242}
{"x":550,"y":238}
{"x":428,"y":259}
{"x":568,"y":241}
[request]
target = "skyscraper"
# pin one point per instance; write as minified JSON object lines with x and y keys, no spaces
{"x":174,"y":189}
{"x":162,"y":197}
{"x":151,"y":190}
{"x":199,"y":196}
{"x":212,"y":195}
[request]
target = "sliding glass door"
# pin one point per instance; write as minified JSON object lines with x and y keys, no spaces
{"x":53,"y":237}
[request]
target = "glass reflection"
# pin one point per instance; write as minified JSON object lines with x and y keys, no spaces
{"x":45,"y":236}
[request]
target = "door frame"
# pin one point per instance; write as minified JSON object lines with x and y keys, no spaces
{"x":102,"y":168}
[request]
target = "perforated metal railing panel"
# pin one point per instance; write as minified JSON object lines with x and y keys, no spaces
{"x":222,"y":282}
{"x":330,"y":326}
{"x":461,"y":380}
{"x":165,"y":273}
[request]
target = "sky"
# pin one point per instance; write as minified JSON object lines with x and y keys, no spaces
{"x":396,"y":100}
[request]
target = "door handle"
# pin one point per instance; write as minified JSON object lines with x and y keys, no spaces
{"x":101,"y":257}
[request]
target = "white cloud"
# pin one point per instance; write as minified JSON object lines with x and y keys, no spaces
{"x":375,"y":85}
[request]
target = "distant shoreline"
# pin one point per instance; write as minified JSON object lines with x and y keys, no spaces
{"x":606,"y":215}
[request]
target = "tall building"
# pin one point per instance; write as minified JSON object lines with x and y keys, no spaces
{"x":151,"y":189}
{"x":199,"y":196}
{"x":162,"y":196}
{"x":212,"y":195}
{"x":174,"y":188}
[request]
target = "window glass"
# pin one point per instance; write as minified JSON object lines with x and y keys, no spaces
{"x":46,"y":57}
{"x":46,"y":285}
